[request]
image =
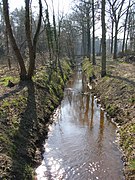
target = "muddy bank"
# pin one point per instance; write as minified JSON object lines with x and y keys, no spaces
{"x":116,"y":93}
{"x":24,"y":119}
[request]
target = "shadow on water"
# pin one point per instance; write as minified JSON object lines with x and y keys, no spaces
{"x":80,"y":145}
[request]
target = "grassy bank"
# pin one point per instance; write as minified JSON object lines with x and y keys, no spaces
{"x":24,"y":119}
{"x":116,"y":92}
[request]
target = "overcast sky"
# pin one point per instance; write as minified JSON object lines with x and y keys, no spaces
{"x":64,"y":5}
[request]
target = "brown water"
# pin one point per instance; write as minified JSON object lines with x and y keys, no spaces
{"x":81,"y":142}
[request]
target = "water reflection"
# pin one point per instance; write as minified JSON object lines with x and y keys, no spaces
{"x":86,"y":115}
{"x":80,"y":145}
{"x":92,"y":113}
{"x":101,"y":131}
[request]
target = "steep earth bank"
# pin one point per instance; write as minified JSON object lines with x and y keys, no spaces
{"x":25,"y":111}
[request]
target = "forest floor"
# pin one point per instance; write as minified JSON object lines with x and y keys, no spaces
{"x":25,"y":111}
{"x":116,"y":93}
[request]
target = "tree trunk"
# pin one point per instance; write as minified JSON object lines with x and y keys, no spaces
{"x":29,"y":39}
{"x":112,"y":37}
{"x":88,"y":35}
{"x":83,"y":41}
{"x":93,"y":42}
{"x":32,"y":45}
{"x":115,"y":41}
{"x":7,"y":49}
{"x":116,"y":13}
{"x":56,"y":50}
{"x":125,"y":29}
{"x":124,"y":38}
{"x":103,"y":70}
{"x":126,"y":43}
{"x":48,"y":34}
{"x":23,"y":73}
{"x":100,"y":47}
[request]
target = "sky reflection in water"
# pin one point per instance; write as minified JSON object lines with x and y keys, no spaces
{"x":80,"y":144}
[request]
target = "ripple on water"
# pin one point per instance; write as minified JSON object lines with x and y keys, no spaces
{"x":80,"y":145}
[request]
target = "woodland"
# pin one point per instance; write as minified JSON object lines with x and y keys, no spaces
{"x":39,"y":50}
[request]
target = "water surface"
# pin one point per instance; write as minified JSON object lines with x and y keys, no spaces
{"x":81,"y":142}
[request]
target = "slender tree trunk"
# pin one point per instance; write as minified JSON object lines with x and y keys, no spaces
{"x":124,"y":38}
{"x":23,"y":73}
{"x":56,"y":46}
{"x":88,"y":35}
{"x":125,"y":29}
{"x":32,"y":45}
{"x":93,"y":42}
{"x":56,"y":41}
{"x":35,"y":39}
{"x":100,"y":47}
{"x":115,"y":41}
{"x":83,"y":42}
{"x":126,"y":43}
{"x":48,"y":33}
{"x":7,"y":49}
{"x":103,"y":70}
{"x":116,"y":13}
{"x":112,"y":37}
{"x":90,"y":43}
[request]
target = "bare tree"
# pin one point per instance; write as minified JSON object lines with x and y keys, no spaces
{"x":125,"y":27}
{"x":23,"y":73}
{"x":103,"y":68}
{"x":116,"y":12}
{"x":83,"y":12}
{"x":31,"y":42}
{"x":131,"y":25}
{"x":93,"y":37}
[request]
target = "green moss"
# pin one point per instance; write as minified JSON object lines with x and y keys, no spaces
{"x":87,"y":67}
{"x":132,"y":100}
{"x":127,"y":143}
{"x":66,"y":66}
{"x":5,"y":104}
{"x":41,"y":77}
{"x":111,"y":109}
{"x":4,"y":80}
{"x":28,"y":172}
{"x":106,"y":78}
{"x":3,"y":113}
{"x":14,"y":102}
{"x":4,"y":138}
{"x":132,"y":164}
{"x":106,"y":97}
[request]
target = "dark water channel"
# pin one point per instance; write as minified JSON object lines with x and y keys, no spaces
{"x":81,"y":142}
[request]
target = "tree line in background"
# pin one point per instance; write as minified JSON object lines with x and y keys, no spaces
{"x":25,"y":34}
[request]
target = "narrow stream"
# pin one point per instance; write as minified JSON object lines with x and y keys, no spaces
{"x":81,"y":142}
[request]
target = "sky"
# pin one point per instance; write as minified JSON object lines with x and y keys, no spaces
{"x":64,"y":5}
